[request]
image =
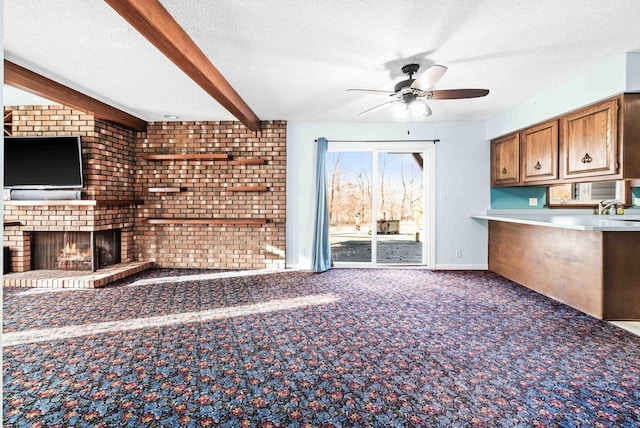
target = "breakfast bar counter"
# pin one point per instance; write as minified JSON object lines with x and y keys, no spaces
{"x":601,"y":223}
{"x":589,"y":262}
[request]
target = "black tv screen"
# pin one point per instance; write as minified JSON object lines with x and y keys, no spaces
{"x":42,"y":162}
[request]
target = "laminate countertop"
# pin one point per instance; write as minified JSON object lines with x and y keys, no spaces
{"x":599,"y":223}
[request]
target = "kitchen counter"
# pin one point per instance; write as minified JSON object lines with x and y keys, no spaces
{"x":590,"y":222}
{"x":586,"y":261}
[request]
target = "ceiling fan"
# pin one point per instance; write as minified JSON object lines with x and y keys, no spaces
{"x":408,"y":96}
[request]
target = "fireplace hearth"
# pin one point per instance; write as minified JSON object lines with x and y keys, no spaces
{"x":75,"y":250}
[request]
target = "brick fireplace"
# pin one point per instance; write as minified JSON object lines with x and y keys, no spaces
{"x":107,"y":203}
{"x":87,"y":224}
{"x":75,"y":250}
{"x":170,"y":210}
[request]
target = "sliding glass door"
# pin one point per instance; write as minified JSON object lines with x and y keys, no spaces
{"x":349,"y":187}
{"x":399,"y":208}
{"x":378,"y":204}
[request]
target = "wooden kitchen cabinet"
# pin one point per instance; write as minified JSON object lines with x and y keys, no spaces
{"x":505,"y":160}
{"x":589,"y":141}
{"x":539,"y":153}
{"x":525,"y":157}
{"x":595,"y":143}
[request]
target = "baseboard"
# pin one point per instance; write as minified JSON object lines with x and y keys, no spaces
{"x":306,"y":267}
{"x":298,"y":266}
{"x":461,"y":267}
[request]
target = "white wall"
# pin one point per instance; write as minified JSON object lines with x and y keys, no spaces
{"x":633,"y":72}
{"x":17,"y":97}
{"x":462,"y":177}
{"x":621,"y":74}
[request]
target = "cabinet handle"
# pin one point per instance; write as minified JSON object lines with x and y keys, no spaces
{"x":537,"y":166}
{"x":504,"y":170}
{"x":586,"y":158}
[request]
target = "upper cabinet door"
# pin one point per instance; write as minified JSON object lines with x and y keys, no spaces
{"x":539,"y":153}
{"x":589,"y":141}
{"x":505,"y":160}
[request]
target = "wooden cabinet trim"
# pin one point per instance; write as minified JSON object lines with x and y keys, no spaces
{"x":629,"y":136}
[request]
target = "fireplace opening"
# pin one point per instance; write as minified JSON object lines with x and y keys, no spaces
{"x":75,"y":250}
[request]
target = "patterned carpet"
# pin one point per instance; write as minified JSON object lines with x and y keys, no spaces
{"x":347,"y":348}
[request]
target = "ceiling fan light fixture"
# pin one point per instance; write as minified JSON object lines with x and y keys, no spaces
{"x":400,"y":111}
{"x":419,"y":109}
{"x":410,"y":94}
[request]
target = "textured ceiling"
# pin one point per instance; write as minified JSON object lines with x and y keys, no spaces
{"x":293,"y":59}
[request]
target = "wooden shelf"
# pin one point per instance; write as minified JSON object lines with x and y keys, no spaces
{"x":187,"y":156}
{"x":247,"y":189}
{"x":210,"y":221}
{"x":121,"y":203}
{"x":247,"y":161}
{"x":166,"y":189}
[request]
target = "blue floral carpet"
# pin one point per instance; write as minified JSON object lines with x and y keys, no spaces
{"x":347,"y":348}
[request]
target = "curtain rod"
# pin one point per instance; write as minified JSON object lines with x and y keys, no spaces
{"x":381,"y":141}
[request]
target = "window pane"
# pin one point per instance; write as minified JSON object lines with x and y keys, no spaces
{"x":349,"y":184}
{"x":399,"y":208}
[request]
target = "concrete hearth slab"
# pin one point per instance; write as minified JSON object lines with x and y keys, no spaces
{"x":73,"y":279}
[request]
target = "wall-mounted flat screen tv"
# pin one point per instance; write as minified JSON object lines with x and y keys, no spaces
{"x":43,"y":162}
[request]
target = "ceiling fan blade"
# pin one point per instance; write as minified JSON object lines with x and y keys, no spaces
{"x":429,"y":78}
{"x":455,"y":94}
{"x":381,"y":106}
{"x":372,"y":91}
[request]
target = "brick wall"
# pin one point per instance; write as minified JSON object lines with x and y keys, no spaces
{"x":108,"y":152}
{"x":19,"y":243}
{"x":107,"y":149}
{"x":110,"y":155}
{"x":63,"y":218}
{"x":207,"y":194}
{"x":114,"y":170}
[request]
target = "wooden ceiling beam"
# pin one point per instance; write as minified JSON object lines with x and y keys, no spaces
{"x":21,"y":78}
{"x":155,"y":23}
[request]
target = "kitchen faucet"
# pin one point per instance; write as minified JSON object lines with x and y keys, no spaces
{"x":606,"y":204}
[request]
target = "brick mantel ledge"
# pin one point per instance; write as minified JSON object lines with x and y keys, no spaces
{"x":76,"y":202}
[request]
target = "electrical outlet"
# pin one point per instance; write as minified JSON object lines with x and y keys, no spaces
{"x":443,"y":198}
{"x":458,"y":254}
{"x":533,"y":202}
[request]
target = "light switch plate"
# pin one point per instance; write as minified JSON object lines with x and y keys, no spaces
{"x":533,"y":202}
